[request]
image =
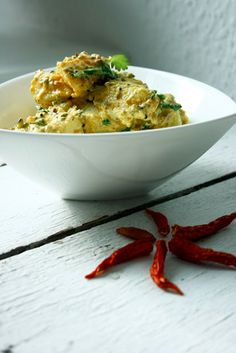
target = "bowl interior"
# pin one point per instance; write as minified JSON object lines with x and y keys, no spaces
{"x":200,"y":101}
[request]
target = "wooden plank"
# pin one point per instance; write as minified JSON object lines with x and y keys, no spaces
{"x":46,"y":302}
{"x":30,"y":214}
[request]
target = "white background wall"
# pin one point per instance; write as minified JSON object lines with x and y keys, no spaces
{"x":196,"y":38}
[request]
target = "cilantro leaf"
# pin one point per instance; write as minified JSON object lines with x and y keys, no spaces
{"x":106,"y":122}
{"x":166,"y":105}
{"x":102,"y":70}
{"x":146,"y":127}
{"x":107,"y":72}
{"x":87,"y":72}
{"x":161,"y":96}
{"x":43,"y":110}
{"x":40,"y":122}
{"x":153,"y":94}
{"x":119,"y":62}
{"x":77,"y":73}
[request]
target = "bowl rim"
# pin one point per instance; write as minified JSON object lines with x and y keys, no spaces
{"x":123,"y":133}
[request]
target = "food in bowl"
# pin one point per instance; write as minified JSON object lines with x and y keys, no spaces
{"x":102,"y":166}
{"x":89,"y":94}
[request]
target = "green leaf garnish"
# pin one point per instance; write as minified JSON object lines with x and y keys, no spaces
{"x":153,"y":94}
{"x":146,"y":126}
{"x":161,"y":96}
{"x":77,"y":73}
{"x":119,"y":62}
{"x":174,"y":107}
{"x":43,"y":110}
{"x":102,"y":70}
{"x":107,"y":72}
{"x":106,"y":122}
{"x":40,"y":122}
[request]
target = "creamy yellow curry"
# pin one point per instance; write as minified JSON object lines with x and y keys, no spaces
{"x":91,"y":94}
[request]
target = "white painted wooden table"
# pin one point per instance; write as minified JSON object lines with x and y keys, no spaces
{"x":48,"y":245}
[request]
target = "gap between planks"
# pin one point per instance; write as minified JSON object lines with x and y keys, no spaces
{"x":106,"y":219}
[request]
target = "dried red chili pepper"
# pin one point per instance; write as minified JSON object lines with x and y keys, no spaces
{"x":128,"y":252}
{"x":161,"y":222}
{"x":188,"y":251}
{"x":157,"y":269}
{"x":203,"y":230}
{"x":135,"y":233}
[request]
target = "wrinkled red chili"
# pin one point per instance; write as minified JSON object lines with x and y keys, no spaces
{"x":191,"y":252}
{"x":158,"y":267}
{"x":128,"y":252}
{"x":203,"y":230}
{"x":181,"y":245}
{"x":161,"y":222}
{"x":135,"y":233}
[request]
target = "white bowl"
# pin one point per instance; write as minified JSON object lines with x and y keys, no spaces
{"x":114,"y":165}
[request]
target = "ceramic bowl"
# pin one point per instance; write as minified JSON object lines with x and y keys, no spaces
{"x":114,"y":165}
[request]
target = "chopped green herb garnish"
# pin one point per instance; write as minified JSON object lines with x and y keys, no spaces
{"x":119,"y":62}
{"x":106,"y":122}
{"x":145,"y":117}
{"x":103,"y":70}
{"x":43,"y":110}
{"x":77,"y":73}
{"x":153,"y":94}
{"x":166,"y":105}
{"x":64,"y":115}
{"x":146,"y":127}
{"x":161,"y":96}
{"x":40,"y":122}
{"x":107,"y":72}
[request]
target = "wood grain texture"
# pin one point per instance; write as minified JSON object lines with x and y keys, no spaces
{"x":47,"y":305}
{"x":29,"y":213}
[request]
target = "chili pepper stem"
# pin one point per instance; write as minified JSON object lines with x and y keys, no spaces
{"x":161,"y":222}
